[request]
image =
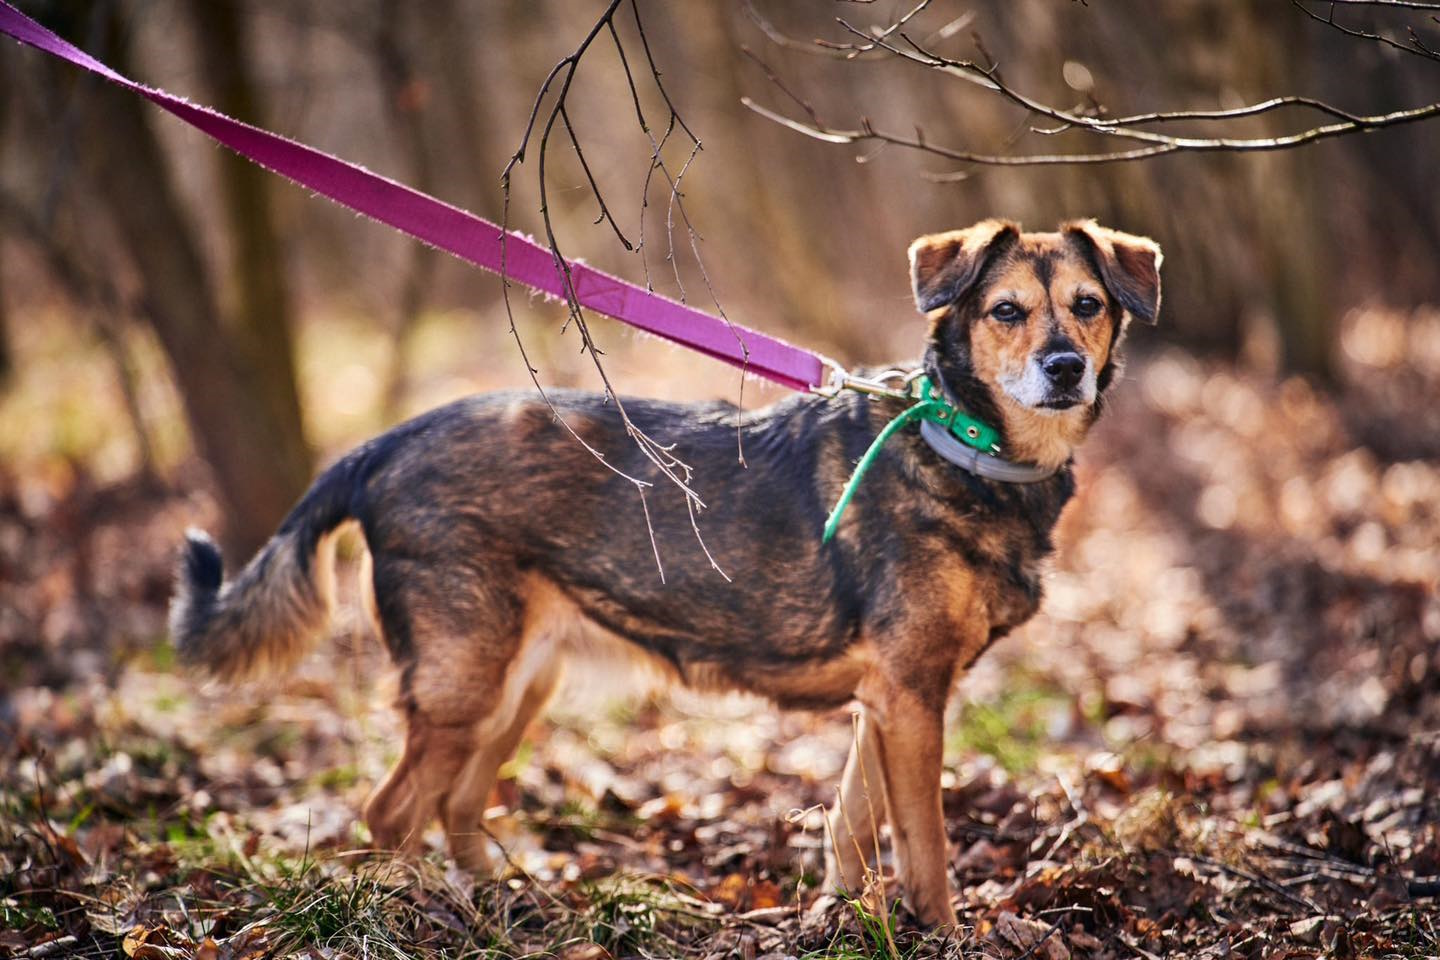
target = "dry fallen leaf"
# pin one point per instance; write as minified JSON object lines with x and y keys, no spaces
{"x":584,"y":951}
{"x":730,"y":891}
{"x":765,"y":894}
{"x":1026,"y":937}
{"x":157,"y":943}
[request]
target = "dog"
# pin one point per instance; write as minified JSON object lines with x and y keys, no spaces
{"x":497,"y":547}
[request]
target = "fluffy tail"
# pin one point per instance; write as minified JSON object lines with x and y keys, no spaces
{"x":269,"y":614}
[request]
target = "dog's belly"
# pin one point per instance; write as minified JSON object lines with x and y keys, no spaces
{"x":562,"y":628}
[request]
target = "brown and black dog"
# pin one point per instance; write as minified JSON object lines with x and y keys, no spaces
{"x":498,"y":548}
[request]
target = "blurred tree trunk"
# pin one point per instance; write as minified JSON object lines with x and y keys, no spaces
{"x":261,"y":315}
{"x":1294,"y":238}
{"x":7,"y":359}
{"x":249,"y":439}
{"x":453,"y":54}
{"x":707,"y":34}
{"x":1295,"y":245}
{"x":406,"y":95}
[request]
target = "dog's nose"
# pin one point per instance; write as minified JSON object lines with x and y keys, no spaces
{"x":1064,"y":369}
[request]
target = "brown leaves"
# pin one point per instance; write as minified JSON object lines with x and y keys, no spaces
{"x":1028,"y":938}
{"x":742,"y":893}
{"x":164,"y":943}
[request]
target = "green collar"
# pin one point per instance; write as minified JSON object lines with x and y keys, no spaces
{"x":971,"y":431}
{"x":949,"y":431}
{"x":930,"y":405}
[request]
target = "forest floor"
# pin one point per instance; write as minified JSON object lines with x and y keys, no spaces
{"x":1221,"y":737}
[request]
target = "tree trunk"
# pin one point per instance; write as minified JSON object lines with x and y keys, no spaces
{"x":398,"y":84}
{"x":261,"y":323}
{"x":7,"y":357}
{"x":7,"y":360}
{"x":249,"y":439}
{"x":1294,"y":240}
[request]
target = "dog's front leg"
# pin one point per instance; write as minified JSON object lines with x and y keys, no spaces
{"x":910,"y":733}
{"x":853,"y":824}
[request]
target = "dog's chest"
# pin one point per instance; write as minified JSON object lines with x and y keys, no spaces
{"x":1013,"y":591}
{"x":996,"y":563}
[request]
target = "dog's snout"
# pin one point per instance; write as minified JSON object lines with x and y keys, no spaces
{"x":1064,"y":368}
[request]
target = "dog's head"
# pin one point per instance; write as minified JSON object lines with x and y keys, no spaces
{"x":1025,"y":326}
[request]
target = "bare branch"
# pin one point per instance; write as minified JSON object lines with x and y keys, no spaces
{"x":1235,"y":113}
{"x":868,"y":132}
{"x":896,"y":43}
{"x":677,"y":203}
{"x":1162,"y":144}
{"x":1414,"y":47}
{"x":1401,"y":4}
{"x":550,"y":110}
{"x":835,"y":51}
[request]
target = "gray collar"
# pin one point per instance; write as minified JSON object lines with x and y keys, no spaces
{"x":981,"y":464}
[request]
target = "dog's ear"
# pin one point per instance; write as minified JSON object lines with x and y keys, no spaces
{"x":1129,"y":265}
{"x":943,"y":266}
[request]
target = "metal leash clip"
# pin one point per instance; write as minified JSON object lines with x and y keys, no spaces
{"x":842,"y":379}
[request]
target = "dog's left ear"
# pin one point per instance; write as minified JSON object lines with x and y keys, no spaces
{"x":943,"y":266}
{"x":1129,"y":265}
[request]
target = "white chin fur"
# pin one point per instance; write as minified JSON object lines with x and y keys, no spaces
{"x":1032,"y":388}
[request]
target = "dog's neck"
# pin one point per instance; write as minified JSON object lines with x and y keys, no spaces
{"x":1046,"y":439}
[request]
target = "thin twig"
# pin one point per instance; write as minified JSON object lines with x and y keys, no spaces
{"x":1402,"y":4}
{"x":1415,"y":47}
{"x":780,"y":85}
{"x":1256,"y":879}
{"x":541,"y":124}
{"x":594,"y":187}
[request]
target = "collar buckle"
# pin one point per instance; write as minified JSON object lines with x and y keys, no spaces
{"x":971,"y":431}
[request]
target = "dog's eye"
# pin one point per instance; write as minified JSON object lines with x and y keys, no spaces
{"x":1007,"y":312}
{"x":1087,"y":307}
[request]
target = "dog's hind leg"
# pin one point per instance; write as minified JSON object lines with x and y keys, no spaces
{"x":853,"y":823}
{"x":496,"y":740}
{"x":411,"y":794}
{"x":454,"y":638}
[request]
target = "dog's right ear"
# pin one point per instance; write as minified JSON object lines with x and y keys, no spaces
{"x":943,"y":266}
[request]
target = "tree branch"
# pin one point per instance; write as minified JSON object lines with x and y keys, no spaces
{"x":894,"y":42}
{"x":549,"y":109}
{"x":1400,"y":4}
{"x":1414,"y":47}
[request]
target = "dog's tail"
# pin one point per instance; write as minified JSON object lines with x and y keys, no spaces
{"x":266,"y":617}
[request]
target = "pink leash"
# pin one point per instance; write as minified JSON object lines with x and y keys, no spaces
{"x":463,"y":234}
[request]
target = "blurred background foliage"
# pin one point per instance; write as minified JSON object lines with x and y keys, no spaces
{"x":160,"y":297}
